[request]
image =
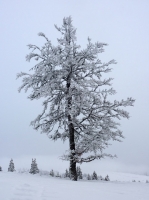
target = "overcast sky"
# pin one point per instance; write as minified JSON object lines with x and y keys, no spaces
{"x":124,"y":25}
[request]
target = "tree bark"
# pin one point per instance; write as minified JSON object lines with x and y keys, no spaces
{"x":72,"y":168}
{"x":73,"y":173}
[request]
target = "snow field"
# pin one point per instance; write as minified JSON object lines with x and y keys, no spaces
{"x":16,"y":186}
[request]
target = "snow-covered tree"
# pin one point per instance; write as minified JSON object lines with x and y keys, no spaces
{"x":94,"y":176}
{"x":79,"y":173}
{"x":52,"y":173}
{"x":58,"y":175}
{"x":11,"y":167}
{"x":66,"y":174}
{"x":89,"y":177}
{"x":76,"y":105}
{"x":34,"y":168}
{"x":0,"y":169}
{"x":107,"y":178}
{"x":100,"y":178}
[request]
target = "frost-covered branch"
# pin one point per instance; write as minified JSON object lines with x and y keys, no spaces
{"x":76,"y":105}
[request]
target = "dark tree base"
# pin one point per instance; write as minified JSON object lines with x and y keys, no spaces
{"x":73,"y":172}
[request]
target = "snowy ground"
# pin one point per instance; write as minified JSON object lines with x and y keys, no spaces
{"x":17,"y":186}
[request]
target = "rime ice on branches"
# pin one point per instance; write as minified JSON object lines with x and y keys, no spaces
{"x":76,"y":105}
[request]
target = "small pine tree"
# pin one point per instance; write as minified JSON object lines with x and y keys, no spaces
{"x":77,"y":169}
{"x":58,"y":175}
{"x":0,"y":169}
{"x":67,"y":174}
{"x":80,"y":176}
{"x":101,"y":178}
{"x":11,"y":167}
{"x":89,"y":177}
{"x":107,"y":178}
{"x":52,"y":173}
{"x":34,"y":169}
{"x":94,"y":176}
{"x":79,"y":173}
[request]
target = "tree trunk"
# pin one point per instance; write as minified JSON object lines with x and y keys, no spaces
{"x":72,"y":168}
{"x":73,"y":173}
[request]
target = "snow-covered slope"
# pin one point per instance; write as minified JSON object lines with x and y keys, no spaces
{"x":17,"y":186}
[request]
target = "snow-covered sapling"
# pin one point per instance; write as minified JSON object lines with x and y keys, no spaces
{"x":58,"y":175}
{"x":0,"y":168}
{"x":89,"y":177}
{"x":107,"y":178}
{"x":79,"y":173}
{"x":11,"y":167}
{"x":34,"y":168}
{"x":52,"y":173}
{"x":147,"y":181}
{"x":76,"y":104}
{"x":100,"y":178}
{"x":94,"y":176}
{"x":67,"y":175}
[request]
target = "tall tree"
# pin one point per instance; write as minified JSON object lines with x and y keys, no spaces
{"x":76,"y":106}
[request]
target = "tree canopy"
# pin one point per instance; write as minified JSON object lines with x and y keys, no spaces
{"x":76,"y":105}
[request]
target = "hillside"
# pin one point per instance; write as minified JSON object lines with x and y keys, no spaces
{"x":24,"y":186}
